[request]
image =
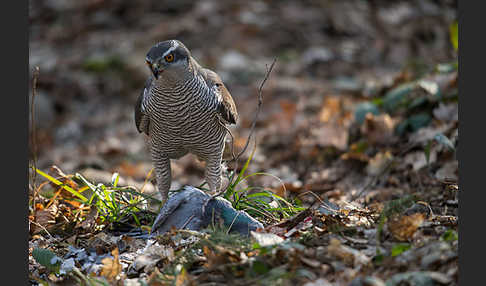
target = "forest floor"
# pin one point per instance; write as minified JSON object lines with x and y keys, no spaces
{"x":358,"y":129}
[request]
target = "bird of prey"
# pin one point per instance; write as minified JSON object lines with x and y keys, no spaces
{"x":183,"y":108}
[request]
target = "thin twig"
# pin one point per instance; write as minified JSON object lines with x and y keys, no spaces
{"x":35,"y":76}
{"x":312,"y":193}
{"x":252,"y":129}
{"x":44,"y":228}
{"x":231,"y":225}
{"x":260,"y":102}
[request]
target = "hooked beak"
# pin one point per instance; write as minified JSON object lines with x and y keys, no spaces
{"x":156,"y":70}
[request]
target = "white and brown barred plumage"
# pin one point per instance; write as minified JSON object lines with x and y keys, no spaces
{"x":183,"y":109}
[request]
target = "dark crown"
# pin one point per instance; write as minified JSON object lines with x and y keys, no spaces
{"x":160,"y":49}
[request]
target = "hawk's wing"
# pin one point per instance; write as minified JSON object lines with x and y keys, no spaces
{"x":227,"y":107}
{"x":142,"y":120}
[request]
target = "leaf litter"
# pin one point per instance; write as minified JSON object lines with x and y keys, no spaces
{"x":368,"y":159}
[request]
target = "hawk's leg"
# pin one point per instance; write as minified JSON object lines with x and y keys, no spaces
{"x":161,"y":163}
{"x":213,"y":171}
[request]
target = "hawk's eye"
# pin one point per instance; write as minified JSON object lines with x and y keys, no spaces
{"x":169,"y":58}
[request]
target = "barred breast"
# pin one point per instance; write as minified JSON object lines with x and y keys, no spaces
{"x":183,"y":119}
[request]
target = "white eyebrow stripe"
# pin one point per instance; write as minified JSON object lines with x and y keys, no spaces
{"x":171,"y":49}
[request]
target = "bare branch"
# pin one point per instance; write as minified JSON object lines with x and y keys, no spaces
{"x":260,"y":102}
{"x":35,"y":77}
{"x":252,"y":129}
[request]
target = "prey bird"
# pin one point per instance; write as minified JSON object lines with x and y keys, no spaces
{"x":183,"y":108}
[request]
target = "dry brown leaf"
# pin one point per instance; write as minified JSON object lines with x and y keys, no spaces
{"x":129,"y":169}
{"x":111,"y":266}
{"x":45,"y":219}
{"x":330,"y":109}
{"x":331,"y":135}
{"x":90,"y":220}
{"x":448,"y":171}
{"x":289,"y":108}
{"x":101,"y":242}
{"x":377,"y":164}
{"x":219,"y":256}
{"x":418,"y":160}
{"x":348,"y":255}
{"x":284,"y":121}
{"x":355,"y":154}
{"x":404,"y":227}
{"x":336,"y":249}
{"x":378,"y":129}
{"x":155,"y":278}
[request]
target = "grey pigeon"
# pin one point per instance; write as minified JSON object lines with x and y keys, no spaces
{"x":193,"y":209}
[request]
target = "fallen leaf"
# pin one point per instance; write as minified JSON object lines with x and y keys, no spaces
{"x":418,"y":159}
{"x":111,"y":266}
{"x":90,"y":221}
{"x":266,"y":239}
{"x":44,"y":218}
{"x":446,"y":112}
{"x":101,"y":242}
{"x":331,"y":135}
{"x":348,"y":255}
{"x":404,"y":227}
{"x":449,"y":171}
{"x":378,"y":129}
{"x":129,"y":169}
{"x":330,"y":109}
{"x":151,"y":256}
{"x":219,"y":256}
{"x":378,"y":163}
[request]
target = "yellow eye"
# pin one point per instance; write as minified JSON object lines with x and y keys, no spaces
{"x":169,"y":58}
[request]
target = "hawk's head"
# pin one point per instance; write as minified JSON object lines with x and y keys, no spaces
{"x":169,"y":56}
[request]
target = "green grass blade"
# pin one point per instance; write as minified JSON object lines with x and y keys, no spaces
{"x":247,"y":163}
{"x":61,"y":184}
{"x":114,"y":179}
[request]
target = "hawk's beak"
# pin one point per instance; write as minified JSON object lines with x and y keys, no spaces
{"x":154,"y":68}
